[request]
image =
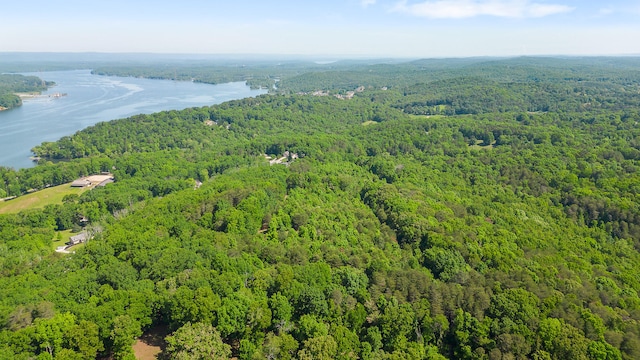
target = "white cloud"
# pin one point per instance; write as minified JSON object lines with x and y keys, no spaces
{"x":461,"y":9}
{"x":366,"y":3}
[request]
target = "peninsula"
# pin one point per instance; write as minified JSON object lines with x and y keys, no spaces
{"x":15,"y":87}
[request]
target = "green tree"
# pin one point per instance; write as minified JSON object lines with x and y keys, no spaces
{"x":85,"y":340}
{"x":52,"y":334}
{"x":123,"y":334}
{"x":444,"y":263}
{"x":563,"y":341}
{"x":281,"y":311}
{"x":319,"y":348}
{"x":197,"y":341}
{"x":282,"y":346}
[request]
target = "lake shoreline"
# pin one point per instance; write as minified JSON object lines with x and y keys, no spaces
{"x":80,"y":100}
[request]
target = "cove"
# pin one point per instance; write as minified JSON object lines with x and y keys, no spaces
{"x":90,"y":99}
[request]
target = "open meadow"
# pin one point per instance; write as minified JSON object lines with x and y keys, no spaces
{"x":39,"y":199}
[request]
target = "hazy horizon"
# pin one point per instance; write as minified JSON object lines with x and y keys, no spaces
{"x":332,"y":28}
{"x":92,"y":59}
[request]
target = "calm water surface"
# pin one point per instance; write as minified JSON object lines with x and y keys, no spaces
{"x":93,"y":98}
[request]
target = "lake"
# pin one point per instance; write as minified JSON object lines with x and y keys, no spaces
{"x":91,"y":99}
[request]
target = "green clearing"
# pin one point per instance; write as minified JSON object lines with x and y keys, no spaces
{"x":63,"y":239}
{"x":479,"y":145}
{"x":427,"y":116}
{"x":39,"y":199}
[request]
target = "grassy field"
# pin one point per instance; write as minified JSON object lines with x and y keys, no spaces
{"x":428,"y":116}
{"x":64,"y":238}
{"x":479,"y":146}
{"x":39,"y":199}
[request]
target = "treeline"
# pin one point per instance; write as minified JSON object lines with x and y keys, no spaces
{"x":497,"y":235}
{"x":257,"y":76}
{"x":531,"y":70}
{"x":477,"y":95}
{"x":432,"y":86}
{"x":9,"y":100}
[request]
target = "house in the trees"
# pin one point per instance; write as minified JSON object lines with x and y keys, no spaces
{"x":78,"y":239}
{"x":81,"y":183}
{"x":97,"y":180}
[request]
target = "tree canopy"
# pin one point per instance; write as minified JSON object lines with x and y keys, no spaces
{"x":488,"y":215}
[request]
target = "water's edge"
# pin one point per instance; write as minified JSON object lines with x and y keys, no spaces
{"x":90,"y":99}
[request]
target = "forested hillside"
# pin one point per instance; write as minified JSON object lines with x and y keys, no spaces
{"x":492,"y":215}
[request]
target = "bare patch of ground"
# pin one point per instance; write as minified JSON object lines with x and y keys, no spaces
{"x":151,"y":344}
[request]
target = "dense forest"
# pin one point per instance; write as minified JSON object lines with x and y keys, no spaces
{"x":14,"y":83}
{"x":483,"y":209}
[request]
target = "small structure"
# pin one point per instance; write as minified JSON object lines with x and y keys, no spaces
{"x":81,"y":183}
{"x":78,"y":239}
{"x":286,"y":159}
{"x":290,"y":155}
{"x":105,"y":182}
{"x":97,"y":180}
{"x":82,"y":220}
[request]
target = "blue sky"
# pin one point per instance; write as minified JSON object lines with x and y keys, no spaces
{"x":351,"y":28}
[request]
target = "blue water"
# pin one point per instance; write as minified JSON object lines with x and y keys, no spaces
{"x":93,"y":98}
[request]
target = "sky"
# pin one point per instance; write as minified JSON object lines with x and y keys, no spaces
{"x":340,"y":28}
